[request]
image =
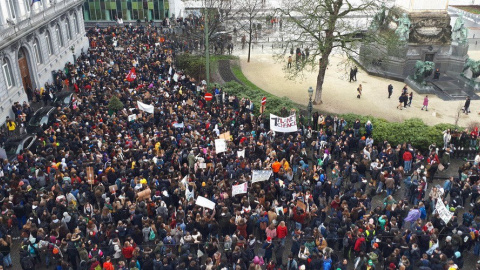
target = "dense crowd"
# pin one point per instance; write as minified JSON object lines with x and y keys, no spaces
{"x":103,"y":190}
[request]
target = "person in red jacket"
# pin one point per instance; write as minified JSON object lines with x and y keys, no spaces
{"x":407,"y":161}
{"x":360,"y":245}
{"x":299,"y":216}
{"x":282,"y":232}
{"x":127,"y":250}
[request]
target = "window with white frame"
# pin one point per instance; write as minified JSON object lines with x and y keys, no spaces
{"x":36,"y":51}
{"x":48,"y":41}
{"x":59,"y":36}
{"x":27,"y":5}
{"x":7,"y":73}
{"x":12,"y":9}
{"x":69,"y":33}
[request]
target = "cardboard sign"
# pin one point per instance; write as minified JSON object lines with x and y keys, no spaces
{"x":241,"y":153}
{"x":225,"y":136}
{"x":202,"y":165}
{"x":190,"y":102}
{"x":144,"y":194}
{"x":302,"y":205}
{"x":113,"y":188}
{"x":90,"y":176}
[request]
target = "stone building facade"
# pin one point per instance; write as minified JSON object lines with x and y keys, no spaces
{"x":36,"y":38}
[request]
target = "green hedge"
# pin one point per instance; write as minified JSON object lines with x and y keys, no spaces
{"x":412,"y":130}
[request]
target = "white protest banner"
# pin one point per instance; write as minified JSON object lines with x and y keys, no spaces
{"x":443,"y":212}
{"x":132,"y":117}
{"x":178,"y":125}
{"x":204,"y":202}
{"x":261,"y":175}
{"x":202,"y":165}
{"x":283,"y":124}
{"x":175,"y":77}
{"x":239,"y":189}
{"x":241,"y":153}
{"x":145,"y":107}
{"x":220,"y":146}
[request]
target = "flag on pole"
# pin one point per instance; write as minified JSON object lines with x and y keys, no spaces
{"x":131,"y":75}
{"x":33,"y":2}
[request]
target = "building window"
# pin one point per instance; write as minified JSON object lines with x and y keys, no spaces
{"x":75,"y":24}
{"x":59,"y":36}
{"x":7,"y":73}
{"x":27,"y":5}
{"x":38,"y":57}
{"x":69,"y":33}
{"x":12,"y":9}
{"x":49,"y":43}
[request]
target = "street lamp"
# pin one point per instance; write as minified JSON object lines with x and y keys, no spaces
{"x":310,"y":106}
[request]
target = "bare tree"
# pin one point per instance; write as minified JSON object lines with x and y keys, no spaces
{"x":324,"y":27}
{"x":247,"y":16}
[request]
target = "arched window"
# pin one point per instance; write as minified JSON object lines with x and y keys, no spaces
{"x":58,"y":34}
{"x":48,"y":41}
{"x":76,"y":30}
{"x":36,"y":51}
{"x":7,"y":73}
{"x":69,"y":33}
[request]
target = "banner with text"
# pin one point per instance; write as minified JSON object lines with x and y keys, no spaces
{"x":204,"y":202}
{"x":283,"y":124}
{"x":220,"y":146}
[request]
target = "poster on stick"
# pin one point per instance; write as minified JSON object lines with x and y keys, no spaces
{"x":283,"y":124}
{"x":443,"y":212}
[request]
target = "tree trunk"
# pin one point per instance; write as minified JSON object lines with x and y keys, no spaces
{"x":249,"y":40}
{"x":322,"y":69}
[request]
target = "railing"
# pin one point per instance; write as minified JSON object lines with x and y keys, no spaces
{"x":36,"y":20}
{"x":467,"y":15}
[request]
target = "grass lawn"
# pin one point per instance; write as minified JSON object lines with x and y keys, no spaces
{"x":237,"y":71}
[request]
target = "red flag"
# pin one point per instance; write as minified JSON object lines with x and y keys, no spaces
{"x":131,"y":75}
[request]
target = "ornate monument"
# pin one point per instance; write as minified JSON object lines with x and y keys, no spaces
{"x":425,"y":42}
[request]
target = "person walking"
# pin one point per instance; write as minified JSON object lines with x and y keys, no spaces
{"x":400,"y":101}
{"x":425,"y":103}
{"x":390,"y":90}
{"x":359,"y":91}
{"x":410,"y":97}
{"x":466,"y":106}
{"x":289,"y":61}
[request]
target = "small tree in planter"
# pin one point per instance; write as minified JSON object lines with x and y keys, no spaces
{"x":114,"y":105}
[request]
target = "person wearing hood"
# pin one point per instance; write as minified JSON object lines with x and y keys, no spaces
{"x":458,"y":259}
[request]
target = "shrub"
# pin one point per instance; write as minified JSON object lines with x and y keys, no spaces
{"x":115,"y":104}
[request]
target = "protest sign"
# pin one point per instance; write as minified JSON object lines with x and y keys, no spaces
{"x":178,"y":125}
{"x":241,"y":153}
{"x":202,"y":165}
{"x":261,"y":175}
{"x":220,"y":146}
{"x":302,"y":205}
{"x":144,"y":194}
{"x":239,"y":189}
{"x":113,"y":188}
{"x":225,"y":136}
{"x":443,"y":212}
{"x":145,"y":107}
{"x":90,"y":177}
{"x":283,"y":124}
{"x":204,"y":202}
{"x":132,"y":117}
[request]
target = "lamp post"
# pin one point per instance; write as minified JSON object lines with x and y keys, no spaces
{"x":310,"y":106}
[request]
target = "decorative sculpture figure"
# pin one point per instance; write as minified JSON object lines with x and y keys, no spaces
{"x":459,"y":31}
{"x":422,"y":70}
{"x":474,"y":67}
{"x":403,"y":28}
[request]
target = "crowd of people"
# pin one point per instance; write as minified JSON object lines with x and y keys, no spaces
{"x":117,"y":189}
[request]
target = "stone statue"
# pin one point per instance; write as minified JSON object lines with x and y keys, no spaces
{"x":378,"y":19}
{"x":423,"y":70}
{"x":474,"y":67}
{"x":403,"y":28}
{"x":460,"y":32}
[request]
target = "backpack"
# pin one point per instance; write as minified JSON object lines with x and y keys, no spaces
{"x":373,"y":256}
{"x":27,"y":263}
{"x":263,"y":225}
{"x":98,"y":267}
{"x":151,"y":235}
